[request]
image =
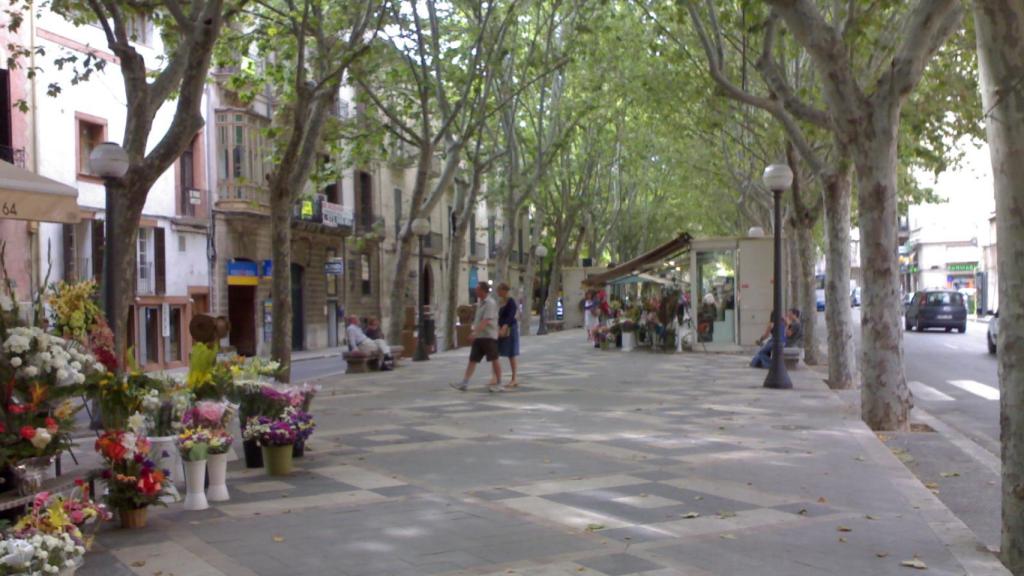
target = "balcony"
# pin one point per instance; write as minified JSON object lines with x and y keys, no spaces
{"x":433,"y":244}
{"x":193,"y":203}
{"x":237,"y":196}
{"x":477,"y":251}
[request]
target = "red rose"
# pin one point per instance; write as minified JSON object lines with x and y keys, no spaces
{"x":51,"y":425}
{"x":17,"y":409}
{"x":28,"y":432}
{"x":2,"y":428}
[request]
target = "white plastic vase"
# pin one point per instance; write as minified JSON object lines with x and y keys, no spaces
{"x":217,"y":468}
{"x":195,"y":478}
{"x":164,"y":451}
{"x":628,"y":341}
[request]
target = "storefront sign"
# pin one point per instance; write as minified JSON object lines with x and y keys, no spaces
{"x":336,"y":215}
{"x":962,"y":267}
{"x":242,"y":273}
{"x":268,"y":268}
{"x":334,"y":267}
{"x":306,"y":212}
{"x":473,"y":277}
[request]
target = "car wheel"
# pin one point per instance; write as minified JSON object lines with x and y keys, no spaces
{"x":918,"y":325}
{"x":949,"y":329}
{"x":991,"y":345}
{"x":907,"y":325}
{"x":962,"y":328}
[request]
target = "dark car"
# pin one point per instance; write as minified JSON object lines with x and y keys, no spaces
{"x":937,"y":309}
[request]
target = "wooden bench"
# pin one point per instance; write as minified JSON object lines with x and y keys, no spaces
{"x":359,"y":362}
{"x":792,"y":356}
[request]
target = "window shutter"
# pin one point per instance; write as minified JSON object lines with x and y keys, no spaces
{"x":69,"y":253}
{"x":98,"y":232}
{"x":159,"y":261}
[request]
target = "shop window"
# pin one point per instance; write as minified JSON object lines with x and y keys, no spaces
{"x":91,"y":132}
{"x":175,"y":343}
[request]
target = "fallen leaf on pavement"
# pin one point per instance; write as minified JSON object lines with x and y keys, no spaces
{"x":594,"y":527}
{"x":915,"y":563}
{"x":859,"y":458}
{"x":881,"y":554}
{"x":691,"y":515}
{"x":934,"y":487}
{"x":949,"y":474}
{"x":138,"y":563}
{"x":842,"y":539}
{"x":726,"y":514}
{"x":822,"y":500}
{"x":870,"y":517}
{"x":844,"y":529}
{"x":802,"y":512}
{"x":728,"y":536}
{"x":278,"y":538}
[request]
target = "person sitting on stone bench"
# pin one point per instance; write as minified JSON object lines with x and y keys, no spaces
{"x":763,"y":358}
{"x":358,"y":340}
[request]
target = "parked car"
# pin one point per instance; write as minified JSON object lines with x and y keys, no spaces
{"x":855,"y":296}
{"x":819,"y":297}
{"x":993,"y":333}
{"x":937,"y":309}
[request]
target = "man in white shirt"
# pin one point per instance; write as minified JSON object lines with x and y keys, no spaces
{"x":485,"y":340}
{"x":358,"y":340}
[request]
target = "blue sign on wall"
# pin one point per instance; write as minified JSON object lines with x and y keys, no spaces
{"x":473,"y":277}
{"x":268,"y":268}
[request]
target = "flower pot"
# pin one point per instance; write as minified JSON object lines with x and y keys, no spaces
{"x":277,"y":460}
{"x":299,"y":449}
{"x":133,"y":518}
{"x":628,"y":341}
{"x":618,"y":340}
{"x":195,"y":476}
{"x":217,"y":470}
{"x":31,"y":473}
{"x":253,"y":454}
{"x":166,"y":456}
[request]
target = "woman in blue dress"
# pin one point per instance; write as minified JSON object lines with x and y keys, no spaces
{"x":508,"y":331}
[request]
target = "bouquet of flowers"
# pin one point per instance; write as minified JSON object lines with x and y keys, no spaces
{"x":308,"y":392}
{"x":194,"y":444}
{"x":207,"y":379}
{"x":220,"y":441}
{"x":268,"y":431}
{"x":74,"y":310}
{"x":39,"y":554}
{"x":163,"y":408}
{"x":133,"y":480}
{"x":53,"y":515}
{"x":208,"y":414}
{"x":302,"y":422}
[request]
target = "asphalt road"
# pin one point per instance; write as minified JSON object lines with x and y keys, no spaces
{"x":317,"y":368}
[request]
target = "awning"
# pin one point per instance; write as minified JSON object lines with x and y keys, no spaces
{"x":25,"y":195}
{"x":644,"y":262}
{"x":639,"y":279}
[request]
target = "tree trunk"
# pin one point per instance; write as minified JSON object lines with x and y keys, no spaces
{"x":509,"y":230}
{"x":885,"y":397}
{"x":526,"y":290}
{"x":808,"y":301}
{"x":122,"y":247}
{"x":793,"y":265}
{"x":465,"y":206}
{"x":281,"y":252}
{"x":1001,"y":57}
{"x":404,"y":247}
{"x":837,"y":279}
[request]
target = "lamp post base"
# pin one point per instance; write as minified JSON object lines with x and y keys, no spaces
{"x":421,"y":352}
{"x":778,"y":376}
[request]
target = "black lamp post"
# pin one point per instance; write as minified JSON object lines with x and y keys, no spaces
{"x":109,"y":161}
{"x":542,"y":326}
{"x":778,"y":178}
{"x":421,"y":227}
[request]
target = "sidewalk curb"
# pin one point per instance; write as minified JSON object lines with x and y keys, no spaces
{"x":961,"y":541}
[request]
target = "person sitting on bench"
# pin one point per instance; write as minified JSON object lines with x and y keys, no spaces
{"x":358,"y":340}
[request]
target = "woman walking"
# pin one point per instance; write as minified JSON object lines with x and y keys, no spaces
{"x":508,"y":332}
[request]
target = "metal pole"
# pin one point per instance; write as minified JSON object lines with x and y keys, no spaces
{"x":108,"y":255}
{"x":421,"y":345}
{"x":542,"y":326}
{"x":777,"y":375}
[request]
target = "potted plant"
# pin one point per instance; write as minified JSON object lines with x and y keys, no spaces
{"x":163,"y":408}
{"x":217,"y":465}
{"x":275,"y":437}
{"x":63,"y":520}
{"x":304,"y":426}
{"x":133,"y":480}
{"x":194,"y":446}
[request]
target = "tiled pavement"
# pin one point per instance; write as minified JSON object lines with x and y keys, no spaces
{"x":606,"y":463}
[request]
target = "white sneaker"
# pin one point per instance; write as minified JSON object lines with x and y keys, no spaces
{"x":460,"y":386}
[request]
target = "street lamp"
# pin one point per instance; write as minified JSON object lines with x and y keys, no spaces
{"x":542,"y":326}
{"x":778,"y":178}
{"x":421,"y":227}
{"x":109,"y":161}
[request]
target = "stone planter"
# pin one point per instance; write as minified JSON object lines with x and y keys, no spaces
{"x":217,"y":472}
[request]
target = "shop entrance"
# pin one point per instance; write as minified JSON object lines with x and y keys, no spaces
{"x":242,"y":315}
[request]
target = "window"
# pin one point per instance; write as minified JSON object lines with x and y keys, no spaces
{"x":398,"y":212}
{"x":327,"y":175}
{"x":364,"y":271}
{"x":159,"y":262}
{"x":91,"y":132}
{"x":945,"y":299}
{"x":240,"y":152}
{"x":140,"y":29}
{"x":186,"y":165}
{"x":149,"y":335}
{"x":182,"y":243}
{"x":364,"y":200}
{"x":98,"y":233}
{"x":332,"y":280}
{"x":144,"y":262}
{"x":6,"y":142}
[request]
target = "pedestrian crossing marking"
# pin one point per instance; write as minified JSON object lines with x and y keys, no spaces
{"x":977,"y":388}
{"x":926,"y":392}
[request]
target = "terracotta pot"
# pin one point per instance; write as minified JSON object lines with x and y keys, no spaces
{"x":133,"y":518}
{"x":277,"y":460}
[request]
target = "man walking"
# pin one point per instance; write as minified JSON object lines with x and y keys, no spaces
{"x":485,"y":339}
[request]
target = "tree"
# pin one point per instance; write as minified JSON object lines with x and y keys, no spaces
{"x":306,"y":48}
{"x":1001,"y":52}
{"x":190,"y":31}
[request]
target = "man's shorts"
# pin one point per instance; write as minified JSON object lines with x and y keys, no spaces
{"x":483,"y":347}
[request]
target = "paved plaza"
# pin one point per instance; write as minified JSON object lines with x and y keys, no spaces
{"x":604,"y":463}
